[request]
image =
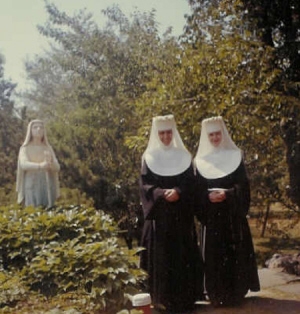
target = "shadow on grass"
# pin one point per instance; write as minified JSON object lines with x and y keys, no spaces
{"x":280,"y":244}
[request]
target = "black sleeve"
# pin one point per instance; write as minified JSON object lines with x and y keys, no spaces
{"x":201,"y":197}
{"x":240,"y":193}
{"x":150,"y":191}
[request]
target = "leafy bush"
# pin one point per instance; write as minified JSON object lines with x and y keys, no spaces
{"x":70,"y":255}
{"x":8,"y":194}
{"x":12,"y":289}
{"x":73,"y":196}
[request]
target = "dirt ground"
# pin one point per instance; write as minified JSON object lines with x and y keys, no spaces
{"x":280,"y":294}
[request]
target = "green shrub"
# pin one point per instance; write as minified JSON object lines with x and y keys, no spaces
{"x":8,"y":194}
{"x":73,"y":196}
{"x":70,"y":255}
{"x":12,"y":288}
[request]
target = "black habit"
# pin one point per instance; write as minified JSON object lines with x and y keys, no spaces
{"x":172,"y":258}
{"x":228,"y":254}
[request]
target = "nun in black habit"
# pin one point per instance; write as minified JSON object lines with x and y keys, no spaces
{"x":171,"y":256}
{"x":222,"y":202}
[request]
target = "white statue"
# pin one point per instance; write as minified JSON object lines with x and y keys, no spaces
{"x":37,"y":174}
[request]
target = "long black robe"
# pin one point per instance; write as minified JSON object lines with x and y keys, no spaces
{"x":230,"y":265}
{"x":172,"y":258}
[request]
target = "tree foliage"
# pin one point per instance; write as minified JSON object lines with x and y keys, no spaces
{"x":100,"y":88}
{"x":10,"y":135}
{"x":87,"y":86}
{"x":277,"y":23}
{"x":253,"y":98}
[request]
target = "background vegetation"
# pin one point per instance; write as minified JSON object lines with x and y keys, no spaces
{"x":98,"y":89}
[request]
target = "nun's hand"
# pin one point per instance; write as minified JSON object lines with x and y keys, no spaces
{"x":171,"y":195}
{"x":217,"y":196}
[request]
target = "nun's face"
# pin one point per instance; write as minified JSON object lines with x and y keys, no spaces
{"x":215,"y":138}
{"x":165,"y":136}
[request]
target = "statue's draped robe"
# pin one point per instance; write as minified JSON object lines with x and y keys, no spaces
{"x":230,"y":265}
{"x":172,"y":257}
{"x":35,"y":186}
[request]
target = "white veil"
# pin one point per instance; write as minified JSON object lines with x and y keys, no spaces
{"x":216,"y":162}
{"x":166,"y":160}
{"x":28,"y":136}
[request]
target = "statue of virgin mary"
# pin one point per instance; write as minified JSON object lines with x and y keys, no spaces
{"x":37,"y":173}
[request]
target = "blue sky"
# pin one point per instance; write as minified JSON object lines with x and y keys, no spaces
{"x":19,"y":38}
